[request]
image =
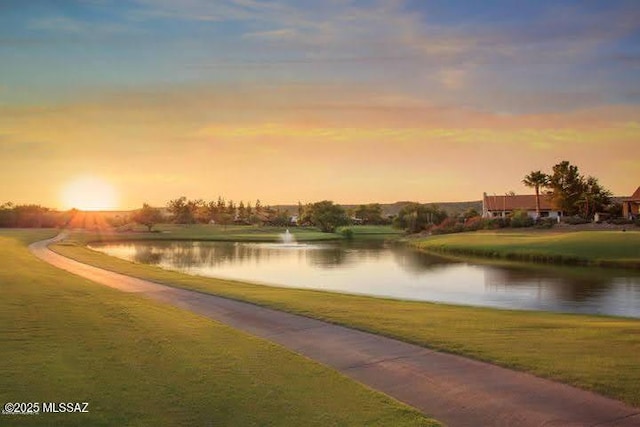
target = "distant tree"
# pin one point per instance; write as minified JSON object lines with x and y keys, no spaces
{"x":326,"y":215}
{"x":7,"y":215}
{"x":225,"y":218}
{"x":147,"y":216}
{"x":231,"y":207}
{"x":576,"y":195}
{"x":536,"y":180}
{"x":212,"y":211}
{"x":369,"y":214}
{"x":280,"y":218}
{"x":594,"y":198}
{"x":29,"y":216}
{"x":566,"y":186}
{"x":199,"y":210}
{"x":415,"y":217}
{"x":304,"y":216}
{"x":181,"y":211}
{"x":242,"y":212}
{"x":470,"y":213}
{"x":221,"y":204}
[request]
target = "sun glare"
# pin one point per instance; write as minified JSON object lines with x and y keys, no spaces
{"x":89,"y":194}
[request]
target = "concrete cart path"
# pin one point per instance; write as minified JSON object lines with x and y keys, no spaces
{"x":453,"y":389}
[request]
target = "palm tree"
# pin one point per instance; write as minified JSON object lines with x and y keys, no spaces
{"x":536,"y":180}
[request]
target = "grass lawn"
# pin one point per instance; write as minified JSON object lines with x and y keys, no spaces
{"x":593,"y":352}
{"x":138,"y":362}
{"x":236,"y":233}
{"x":605,"y":248}
{"x":213,"y":232}
{"x":364,"y":230}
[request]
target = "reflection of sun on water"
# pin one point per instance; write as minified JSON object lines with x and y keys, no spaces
{"x":89,"y":194}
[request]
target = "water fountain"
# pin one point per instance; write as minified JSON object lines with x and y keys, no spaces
{"x":288,"y":238}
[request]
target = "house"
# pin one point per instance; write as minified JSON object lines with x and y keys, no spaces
{"x":503,"y":206}
{"x":631,"y":205}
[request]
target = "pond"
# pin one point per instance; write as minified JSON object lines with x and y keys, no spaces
{"x":377,"y":268}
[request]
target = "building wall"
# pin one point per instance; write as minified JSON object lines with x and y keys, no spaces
{"x":531,"y":213}
{"x":630,"y":209}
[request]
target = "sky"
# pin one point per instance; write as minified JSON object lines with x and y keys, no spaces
{"x":300,"y":100}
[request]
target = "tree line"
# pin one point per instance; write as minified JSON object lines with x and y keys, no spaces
{"x":30,"y":216}
{"x":326,"y":215}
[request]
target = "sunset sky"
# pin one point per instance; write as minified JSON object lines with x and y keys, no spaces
{"x":301,"y":100}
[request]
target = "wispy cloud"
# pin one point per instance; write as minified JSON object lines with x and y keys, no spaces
{"x":70,"y":26}
{"x":390,"y":38}
{"x":281,"y":34}
{"x":207,"y":11}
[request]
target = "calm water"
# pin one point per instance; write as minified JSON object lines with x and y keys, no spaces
{"x":381,"y":269}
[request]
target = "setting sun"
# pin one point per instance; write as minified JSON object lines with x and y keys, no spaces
{"x":89,"y":194}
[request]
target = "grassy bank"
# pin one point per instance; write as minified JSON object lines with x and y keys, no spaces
{"x":598,"y":248}
{"x":137,"y":362}
{"x":246,"y":233}
{"x":236,"y":233}
{"x":592,"y":352}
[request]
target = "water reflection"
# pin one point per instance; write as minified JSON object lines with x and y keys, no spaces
{"x":418,"y":263}
{"x":570,"y":283}
{"x":377,"y":268}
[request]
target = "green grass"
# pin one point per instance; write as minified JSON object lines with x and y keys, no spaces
{"x":236,"y":233}
{"x":138,"y":362}
{"x":245,"y":233}
{"x":361,"y":230}
{"x":603,"y":248}
{"x":592,"y":352}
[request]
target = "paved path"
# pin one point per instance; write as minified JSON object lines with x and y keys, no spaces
{"x":453,"y":389}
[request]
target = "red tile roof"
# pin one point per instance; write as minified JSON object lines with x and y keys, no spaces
{"x":518,"y":202}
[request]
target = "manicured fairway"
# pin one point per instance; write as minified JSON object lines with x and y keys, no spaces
{"x":65,"y":339}
{"x":593,"y":352}
{"x":607,"y":248}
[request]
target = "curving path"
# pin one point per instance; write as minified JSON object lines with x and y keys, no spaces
{"x":453,"y":389}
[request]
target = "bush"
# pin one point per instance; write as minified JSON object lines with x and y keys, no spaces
{"x":545,"y":223}
{"x":347,"y":233}
{"x":473,"y":223}
{"x":575,"y":220}
{"x":620,"y":221}
{"x":495,"y":223}
{"x":521,"y":219}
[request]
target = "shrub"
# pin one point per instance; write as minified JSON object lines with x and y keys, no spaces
{"x":521,"y":219}
{"x":575,"y":220}
{"x":545,"y":223}
{"x":620,"y":221}
{"x":347,"y":233}
{"x":473,"y":223}
{"x":448,"y":225}
{"x":495,"y":223}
